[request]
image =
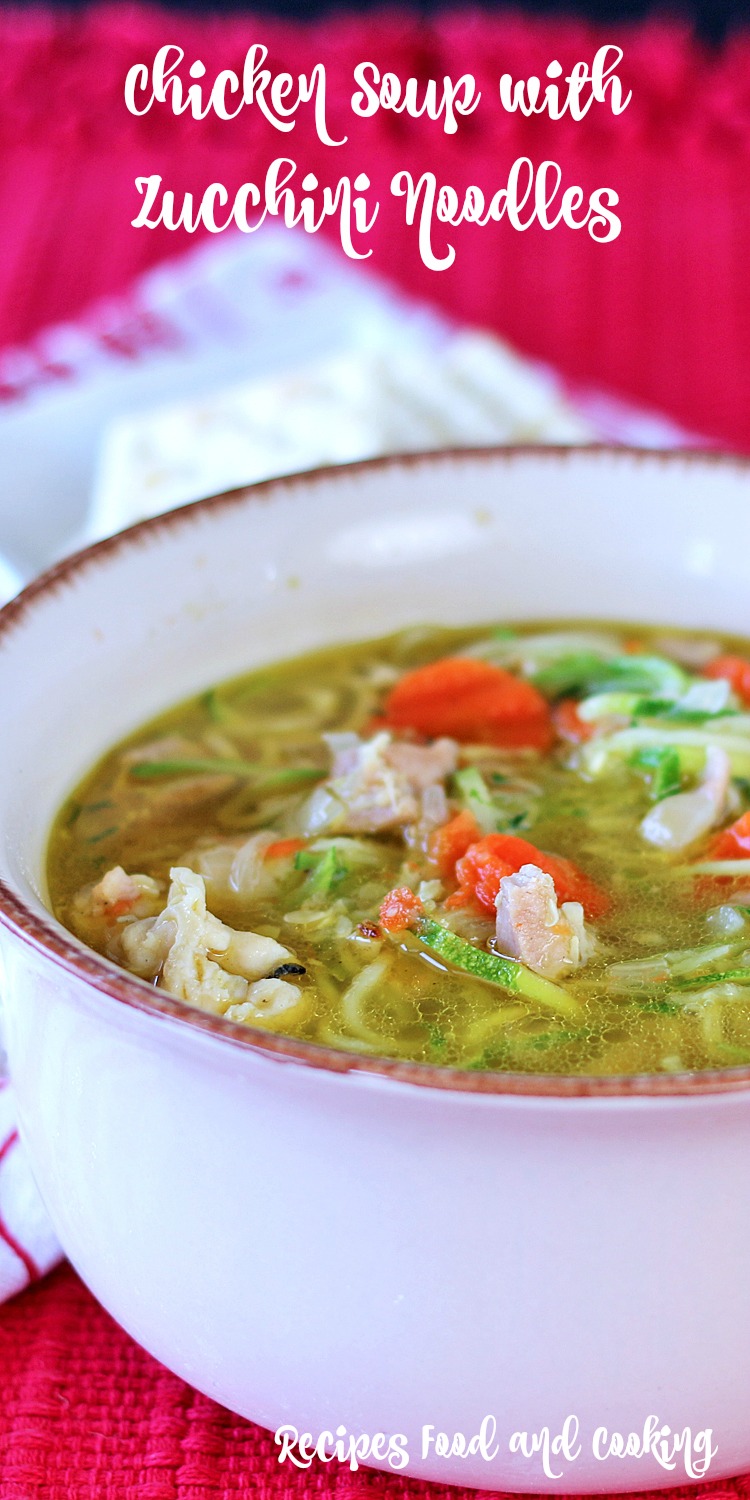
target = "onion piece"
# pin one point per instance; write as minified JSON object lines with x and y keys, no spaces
{"x":681,"y":820}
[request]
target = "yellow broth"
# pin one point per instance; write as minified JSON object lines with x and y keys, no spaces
{"x":389,"y":996}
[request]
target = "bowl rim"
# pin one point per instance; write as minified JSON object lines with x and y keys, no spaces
{"x":50,"y":938}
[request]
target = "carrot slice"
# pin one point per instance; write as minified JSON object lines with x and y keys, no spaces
{"x":568,"y":722}
{"x":480,"y":871}
{"x":283,"y":848}
{"x":119,"y":908}
{"x":485,"y":863}
{"x":573,"y":884}
{"x":472,"y":701}
{"x":735,"y":670}
{"x":450,"y":842}
{"x":733,"y":842}
{"x":399,"y":909}
{"x":459,"y":898}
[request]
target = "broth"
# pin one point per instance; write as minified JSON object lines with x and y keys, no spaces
{"x":529,"y":853}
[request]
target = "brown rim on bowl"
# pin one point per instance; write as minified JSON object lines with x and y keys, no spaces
{"x":48,"y":936}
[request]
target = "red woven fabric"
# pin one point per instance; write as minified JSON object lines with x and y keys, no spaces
{"x":661,"y":314}
{"x":86,"y":1415}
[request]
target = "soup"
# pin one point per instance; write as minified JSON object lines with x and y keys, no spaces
{"x":524,"y":849}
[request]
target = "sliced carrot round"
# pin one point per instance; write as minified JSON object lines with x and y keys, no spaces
{"x":471,"y":701}
{"x":568,"y":722}
{"x":734,"y":842}
{"x":733,"y":669}
{"x":450,"y":842}
{"x":480,"y":871}
{"x":485,"y":863}
{"x":400,"y":909}
{"x":284,"y":848}
{"x":572,"y":884}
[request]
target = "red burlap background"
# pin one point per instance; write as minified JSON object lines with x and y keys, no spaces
{"x":663,"y":314}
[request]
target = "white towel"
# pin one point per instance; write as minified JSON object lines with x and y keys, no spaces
{"x":28,"y":1247}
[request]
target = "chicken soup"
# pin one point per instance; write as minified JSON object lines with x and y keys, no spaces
{"x":524,"y":849}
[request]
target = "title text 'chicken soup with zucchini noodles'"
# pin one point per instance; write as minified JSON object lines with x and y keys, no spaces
{"x":522,"y":849}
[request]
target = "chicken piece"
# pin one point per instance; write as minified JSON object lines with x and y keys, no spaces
{"x":197,"y":957}
{"x":117,"y":895}
{"x":144,"y":946}
{"x":423,"y":765}
{"x":99,"y":913}
{"x":200,"y":965}
{"x":679,"y":821}
{"x":270,"y":1002}
{"x":693,"y":652}
{"x":186,"y":949}
{"x":530,"y":927}
{"x":377,"y":784}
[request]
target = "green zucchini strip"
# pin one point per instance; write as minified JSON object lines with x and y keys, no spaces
{"x":597,"y":754}
{"x":663,"y":764}
{"x":147,"y":770}
{"x":698,"y":981}
{"x":504,"y":972}
{"x":326,"y":869}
